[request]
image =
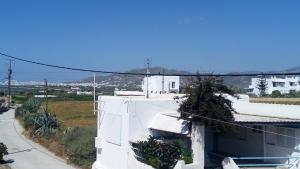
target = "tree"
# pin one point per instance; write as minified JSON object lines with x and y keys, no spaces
{"x":3,"y":151}
{"x":262,"y":86}
{"x":204,"y":101}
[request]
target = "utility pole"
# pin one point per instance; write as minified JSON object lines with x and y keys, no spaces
{"x":94,"y":93}
{"x":9,"y":82}
{"x":46,"y":94}
{"x":163,"y":81}
{"x":147,"y":77}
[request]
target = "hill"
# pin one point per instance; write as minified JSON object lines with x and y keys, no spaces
{"x":134,"y":82}
{"x":130,"y":81}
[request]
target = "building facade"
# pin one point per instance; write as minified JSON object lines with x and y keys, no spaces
{"x":126,"y":119}
{"x":283,"y":85}
{"x":161,"y":84}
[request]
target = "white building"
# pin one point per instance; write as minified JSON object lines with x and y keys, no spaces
{"x":161,"y":84}
{"x":271,"y":139}
{"x":126,"y":119}
{"x":283,"y":85}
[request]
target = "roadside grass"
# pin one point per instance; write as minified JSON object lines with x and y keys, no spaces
{"x":289,"y":101}
{"x":73,"y":113}
{"x":74,"y":140}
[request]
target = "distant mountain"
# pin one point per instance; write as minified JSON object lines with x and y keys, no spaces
{"x":245,"y":81}
{"x":134,"y":82}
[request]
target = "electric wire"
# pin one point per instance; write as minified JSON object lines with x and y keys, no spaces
{"x":151,"y":74}
{"x":188,"y":75}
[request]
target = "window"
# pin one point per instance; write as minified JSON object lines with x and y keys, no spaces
{"x":173,"y":85}
{"x":281,"y":140}
{"x":293,"y":84}
{"x":290,"y":142}
{"x":278,"y":84}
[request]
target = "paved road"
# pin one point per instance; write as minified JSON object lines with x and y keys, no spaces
{"x":25,"y":154}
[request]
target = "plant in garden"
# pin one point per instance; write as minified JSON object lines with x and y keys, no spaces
{"x":276,"y":94}
{"x":158,"y":154}
{"x":3,"y":151}
{"x":29,"y":107}
{"x":45,"y":123}
{"x":80,"y":143}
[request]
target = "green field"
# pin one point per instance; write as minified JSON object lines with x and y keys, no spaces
{"x":73,"y":113}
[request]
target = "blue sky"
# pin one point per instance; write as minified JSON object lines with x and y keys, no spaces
{"x":213,"y":36}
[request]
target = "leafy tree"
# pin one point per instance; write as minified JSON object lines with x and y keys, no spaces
{"x":262,"y":86}
{"x":205,"y":100}
{"x":3,"y":151}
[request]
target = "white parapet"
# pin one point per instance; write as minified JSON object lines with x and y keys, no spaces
{"x":228,"y":163}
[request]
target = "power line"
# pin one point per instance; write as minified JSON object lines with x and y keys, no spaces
{"x":152,"y":74}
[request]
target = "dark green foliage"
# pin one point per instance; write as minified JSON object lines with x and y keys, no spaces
{"x":186,"y":151}
{"x":45,"y":124}
{"x":80,"y":97}
{"x":276,"y":94}
{"x":262,"y":86}
{"x":3,"y":151}
{"x":41,"y":123}
{"x":205,"y":98}
{"x":291,"y":94}
{"x":80,"y":144}
{"x":31,"y":106}
{"x":28,"y":120}
{"x":157,"y":154}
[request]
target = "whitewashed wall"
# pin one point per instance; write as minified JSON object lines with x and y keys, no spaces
{"x":124,"y":120}
{"x":113,"y":135}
